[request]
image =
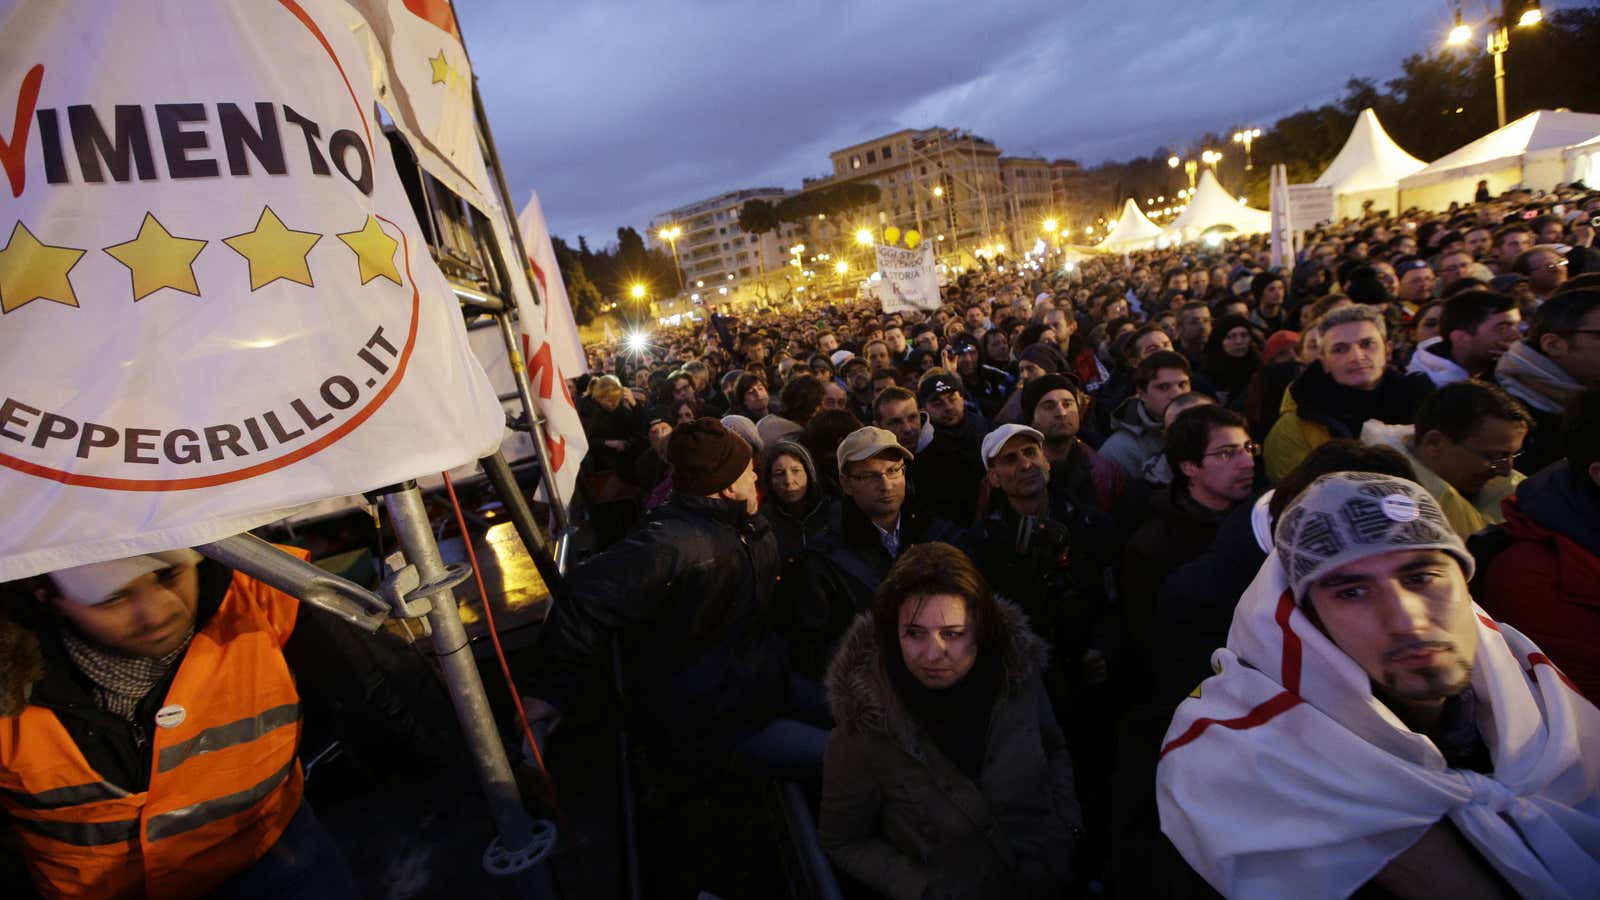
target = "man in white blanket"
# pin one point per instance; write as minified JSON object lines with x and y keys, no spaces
{"x":1370,"y":729}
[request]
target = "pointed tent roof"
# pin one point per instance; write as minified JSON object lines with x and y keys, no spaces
{"x":1537,"y":131}
{"x":1213,"y":205}
{"x":1131,"y":230}
{"x":1369,"y":161}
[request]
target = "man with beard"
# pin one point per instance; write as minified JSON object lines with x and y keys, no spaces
{"x":1055,"y":405}
{"x":947,"y":469}
{"x":986,"y":385}
{"x":1475,"y":330}
{"x":1194,"y":329}
{"x":1381,"y":731}
{"x":1559,"y":357}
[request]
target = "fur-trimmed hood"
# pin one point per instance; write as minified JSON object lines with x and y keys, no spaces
{"x":862,"y":699}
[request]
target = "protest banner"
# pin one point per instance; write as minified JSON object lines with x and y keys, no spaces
{"x":216,"y":303}
{"x":908,"y":279}
{"x":1310,"y":205}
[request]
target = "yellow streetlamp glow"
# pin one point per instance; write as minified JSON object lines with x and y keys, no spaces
{"x":1532,"y":16}
{"x":637,"y":290}
{"x":864,"y":237}
{"x":938,"y":191}
{"x":1050,"y":226}
{"x":841,"y":267}
{"x":1459,"y":35}
{"x":670,"y":233}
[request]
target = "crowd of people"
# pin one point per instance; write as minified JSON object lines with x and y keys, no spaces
{"x":1168,"y":574}
{"x":1059,"y":588}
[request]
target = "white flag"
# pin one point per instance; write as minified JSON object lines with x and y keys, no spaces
{"x":419,"y":68}
{"x":559,"y":326}
{"x":215,"y":301}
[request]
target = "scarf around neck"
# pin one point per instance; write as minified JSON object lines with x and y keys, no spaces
{"x":1535,"y":379}
{"x":956,"y":718}
{"x":120,"y":681}
{"x":1287,"y":777}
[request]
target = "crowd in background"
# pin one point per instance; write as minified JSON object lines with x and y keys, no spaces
{"x":1077,"y":463}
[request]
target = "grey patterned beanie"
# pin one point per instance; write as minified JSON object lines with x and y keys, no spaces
{"x":1346,"y":516}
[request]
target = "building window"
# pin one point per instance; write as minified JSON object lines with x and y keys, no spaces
{"x":886,"y":152}
{"x":872,"y":157}
{"x":855,"y":162}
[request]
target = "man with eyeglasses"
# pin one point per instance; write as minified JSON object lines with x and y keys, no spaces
{"x":1466,"y":439}
{"x":1559,"y":357}
{"x":1546,"y":268}
{"x":1213,"y":464}
{"x":1475,"y":329}
{"x":835,"y":578}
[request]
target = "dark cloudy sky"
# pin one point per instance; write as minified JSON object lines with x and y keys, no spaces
{"x":615,"y":110}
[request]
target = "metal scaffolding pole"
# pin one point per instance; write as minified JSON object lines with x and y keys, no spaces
{"x":560,"y":526}
{"x":521,"y":843}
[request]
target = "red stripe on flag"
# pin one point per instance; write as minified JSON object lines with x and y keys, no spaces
{"x":436,"y":13}
{"x":1290,"y":664}
{"x":1261,"y":715}
{"x":1539,"y":659}
{"x":1488,"y":622}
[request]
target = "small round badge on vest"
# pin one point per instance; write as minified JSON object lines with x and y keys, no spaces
{"x":171,"y":716}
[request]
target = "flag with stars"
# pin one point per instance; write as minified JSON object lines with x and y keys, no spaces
{"x":420,"y":70}
{"x":216,"y":304}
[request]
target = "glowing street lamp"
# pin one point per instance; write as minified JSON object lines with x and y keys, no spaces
{"x":1190,"y":168}
{"x":636,"y":291}
{"x":938,"y":190}
{"x":1498,"y":42}
{"x":670,"y":234}
{"x":1211,"y":158}
{"x":841,"y":267}
{"x":1246,"y":137}
{"x":1050,"y":226}
{"x":864,"y":237}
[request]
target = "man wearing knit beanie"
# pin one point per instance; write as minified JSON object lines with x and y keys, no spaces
{"x":689,"y":593}
{"x":1380,"y":730}
{"x":1055,"y":406}
{"x":708,"y":460}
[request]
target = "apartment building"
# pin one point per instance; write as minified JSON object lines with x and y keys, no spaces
{"x":713,"y":251}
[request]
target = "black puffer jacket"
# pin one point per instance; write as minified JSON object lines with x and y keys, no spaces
{"x":688,"y":592}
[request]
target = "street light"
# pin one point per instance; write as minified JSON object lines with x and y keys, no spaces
{"x":637,"y":291}
{"x":1498,"y":41}
{"x":1247,"y":137}
{"x":1211,"y":158}
{"x":864,"y":237}
{"x":1190,"y":168}
{"x":938,"y":190}
{"x":841,"y":267}
{"x":670,"y":234}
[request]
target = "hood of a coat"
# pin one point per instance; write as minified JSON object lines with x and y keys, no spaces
{"x":1132,"y":417}
{"x":1557,"y":500}
{"x":1432,"y":359}
{"x":1535,"y":379}
{"x":799,"y":452}
{"x":858,"y":686}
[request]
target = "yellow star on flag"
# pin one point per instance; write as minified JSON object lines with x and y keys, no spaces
{"x":32,"y":271}
{"x":158,"y":260}
{"x":441,"y":68}
{"x":275,"y":251}
{"x":374,"y":249}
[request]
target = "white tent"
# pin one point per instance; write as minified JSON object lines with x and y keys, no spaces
{"x":1368,"y":167}
{"x":1212,"y":206}
{"x":1529,"y":153}
{"x":1583,"y":162}
{"x":1132,"y":232}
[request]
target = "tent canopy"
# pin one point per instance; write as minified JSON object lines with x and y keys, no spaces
{"x":1538,"y":131}
{"x":1212,"y":205}
{"x":1369,"y":161}
{"x":1132,"y":232}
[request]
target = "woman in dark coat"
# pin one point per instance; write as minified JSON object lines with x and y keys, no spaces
{"x":947,"y":775}
{"x":1232,"y":358}
{"x":792,"y":498}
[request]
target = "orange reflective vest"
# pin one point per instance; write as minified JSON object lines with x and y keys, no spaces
{"x":224,"y":777}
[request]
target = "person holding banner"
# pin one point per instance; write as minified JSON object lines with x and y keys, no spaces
{"x":153,"y":748}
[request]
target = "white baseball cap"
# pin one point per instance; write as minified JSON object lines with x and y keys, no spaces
{"x":996,"y":439}
{"x":94,"y":583}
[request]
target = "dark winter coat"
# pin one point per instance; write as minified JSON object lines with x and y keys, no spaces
{"x":689,"y":593}
{"x":1194,"y":607}
{"x":899,"y":816}
{"x":834,"y":580}
{"x":948,"y":473}
{"x":1317,"y":409}
{"x":1178,"y":530}
{"x":795,"y":530}
{"x":1546,"y":584}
